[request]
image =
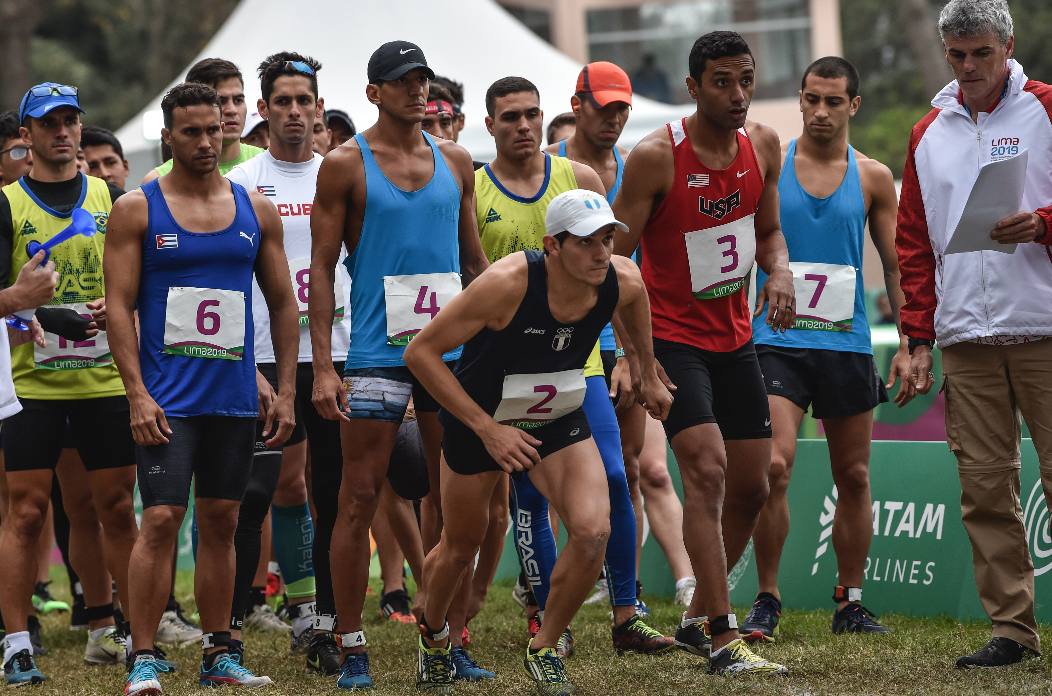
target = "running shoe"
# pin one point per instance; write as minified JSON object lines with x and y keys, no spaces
{"x":997,"y":653}
{"x":78,"y":619}
{"x":323,"y":655}
{"x":394,"y":606}
{"x":855,"y":618}
{"x":106,"y":648}
{"x":273,"y":586}
{"x":547,"y":671}
{"x":144,"y":677}
{"x":175,"y":630}
{"x":685,"y":592}
{"x":263,"y":618}
{"x":762,"y":620}
{"x":533,"y":625}
{"x":522,"y":594}
{"x":465,"y":636}
{"x":21,"y":670}
{"x":601,"y":594}
{"x":434,"y":668}
{"x":467,"y":669}
{"x":693,"y":636}
{"x":635,"y":636}
{"x":33,"y":626}
{"x":299,"y":644}
{"x":227,"y":669}
{"x":43,"y":602}
{"x":164,"y":665}
{"x":354,"y":673}
{"x":736,"y":658}
{"x":564,"y":646}
{"x":642,"y":609}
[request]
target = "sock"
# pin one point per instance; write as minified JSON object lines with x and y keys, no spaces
{"x":294,"y":548}
{"x":16,"y":642}
{"x":683,"y":582}
{"x":256,"y":597}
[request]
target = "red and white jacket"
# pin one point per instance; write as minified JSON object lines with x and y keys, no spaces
{"x":962,"y":297}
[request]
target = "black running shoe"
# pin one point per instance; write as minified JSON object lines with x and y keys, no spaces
{"x":693,"y":637}
{"x":855,"y":618}
{"x":394,"y":606}
{"x":33,"y":623}
{"x":997,"y":653}
{"x":762,"y":621}
{"x":323,"y":655}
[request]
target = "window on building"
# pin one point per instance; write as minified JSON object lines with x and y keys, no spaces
{"x":537,"y":21}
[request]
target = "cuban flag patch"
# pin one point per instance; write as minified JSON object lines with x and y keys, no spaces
{"x":167,"y":241}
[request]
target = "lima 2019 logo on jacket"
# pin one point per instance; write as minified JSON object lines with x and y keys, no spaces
{"x":719,"y":208}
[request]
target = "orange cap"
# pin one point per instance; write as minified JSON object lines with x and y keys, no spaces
{"x":606,"y":83}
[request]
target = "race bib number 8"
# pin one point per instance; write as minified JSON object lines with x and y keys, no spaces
{"x":205,"y":323}
{"x":414,"y":300}
{"x":63,"y":354}
{"x":529,"y":401}
{"x":825,"y":296}
{"x":299,"y":269}
{"x":720,"y":258}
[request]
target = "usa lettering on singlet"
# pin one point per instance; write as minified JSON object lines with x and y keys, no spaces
{"x":195,"y":312}
{"x":290,"y":186}
{"x":703,"y":237}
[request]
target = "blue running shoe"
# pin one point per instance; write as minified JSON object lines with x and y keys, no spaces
{"x":143,"y":679}
{"x":227,"y":669}
{"x":354,"y":673}
{"x":468,"y":669}
{"x":642,"y":610}
{"x":21,"y":670}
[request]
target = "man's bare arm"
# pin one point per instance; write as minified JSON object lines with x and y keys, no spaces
{"x":633,"y":309}
{"x":646,"y":171}
{"x":473,"y":259}
{"x":772,"y":255}
{"x":587,"y":178}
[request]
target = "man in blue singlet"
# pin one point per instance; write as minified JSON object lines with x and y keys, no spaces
{"x":190,"y":371}
{"x":828,"y":191}
{"x":400,"y":202}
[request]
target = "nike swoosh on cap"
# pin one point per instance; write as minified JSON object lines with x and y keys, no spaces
{"x":403,"y":52}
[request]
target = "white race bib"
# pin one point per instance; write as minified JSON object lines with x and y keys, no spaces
{"x":62,"y":354}
{"x":414,"y":300}
{"x":205,"y":323}
{"x":825,"y":296}
{"x":720,"y":258}
{"x":299,"y":270}
{"x":529,"y":401}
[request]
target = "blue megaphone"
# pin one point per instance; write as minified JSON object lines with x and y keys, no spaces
{"x":81,"y":222}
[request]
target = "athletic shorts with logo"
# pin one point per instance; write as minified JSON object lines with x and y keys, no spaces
{"x":833,"y":383}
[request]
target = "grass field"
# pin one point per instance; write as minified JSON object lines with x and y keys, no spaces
{"x":916,"y":659}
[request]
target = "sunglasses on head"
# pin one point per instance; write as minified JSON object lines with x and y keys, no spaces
{"x":18,"y":152}
{"x":48,"y":90}
{"x":298,"y":66}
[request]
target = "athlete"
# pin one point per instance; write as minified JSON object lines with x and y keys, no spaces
{"x":287,"y":174}
{"x":225,"y":78}
{"x":104,"y":154}
{"x":439,"y":118}
{"x":399,"y":202}
{"x":190,"y":372}
{"x":512,"y":197}
{"x":514,"y":406}
{"x":828,"y":192}
{"x":701,"y":196}
{"x":68,"y":381}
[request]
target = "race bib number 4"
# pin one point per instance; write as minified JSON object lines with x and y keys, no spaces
{"x":299,"y":269}
{"x":205,"y":323}
{"x":414,"y":300}
{"x":720,"y":258}
{"x":62,"y":354}
{"x":825,"y":296}
{"x":530,"y":401}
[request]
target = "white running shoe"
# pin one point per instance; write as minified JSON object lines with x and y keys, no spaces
{"x":263,"y":618}
{"x":174,"y":631}
{"x":105,"y":649}
{"x":601,"y":594}
{"x":521,"y":594}
{"x":685,"y":592}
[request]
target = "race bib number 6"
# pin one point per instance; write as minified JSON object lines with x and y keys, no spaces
{"x":720,"y":258}
{"x":529,"y":401}
{"x":63,"y":354}
{"x":205,"y":323}
{"x":825,"y":296}
{"x":414,"y":300}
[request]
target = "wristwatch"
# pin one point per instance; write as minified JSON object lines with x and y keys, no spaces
{"x":619,"y":353}
{"x":914,"y":342}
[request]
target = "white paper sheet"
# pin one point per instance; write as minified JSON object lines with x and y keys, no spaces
{"x":996,"y":194}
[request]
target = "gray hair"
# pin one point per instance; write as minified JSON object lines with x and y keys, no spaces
{"x":975,"y":17}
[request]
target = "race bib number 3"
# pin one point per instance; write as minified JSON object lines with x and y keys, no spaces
{"x":529,"y":401}
{"x":414,"y":300}
{"x":825,"y":296}
{"x":62,"y":354}
{"x":720,"y":258}
{"x":205,"y":323}
{"x":299,"y":269}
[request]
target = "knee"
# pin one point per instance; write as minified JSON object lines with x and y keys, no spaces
{"x":461,"y":548}
{"x":359,"y":502}
{"x":705,"y":480}
{"x":217,"y":524}
{"x":654,"y":478}
{"x":160,"y":525}
{"x":498,"y":514}
{"x":779,"y":473}
{"x":26,"y":518}
{"x":591,"y":535}
{"x":118,"y":516}
{"x":852,"y":479}
{"x":749,"y":500}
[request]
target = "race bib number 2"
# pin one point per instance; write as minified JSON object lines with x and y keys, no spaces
{"x":63,"y":354}
{"x":825,"y":296}
{"x":205,"y":323}
{"x":720,"y":258}
{"x":530,"y":401}
{"x":414,"y":300}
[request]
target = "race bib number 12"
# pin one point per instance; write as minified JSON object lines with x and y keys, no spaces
{"x":825,"y":296}
{"x":414,"y":300}
{"x":720,"y":258}
{"x":63,"y":354}
{"x":205,"y":323}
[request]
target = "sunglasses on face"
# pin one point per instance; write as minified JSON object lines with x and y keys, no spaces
{"x":18,"y":152}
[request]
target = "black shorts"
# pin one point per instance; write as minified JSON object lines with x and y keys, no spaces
{"x":609,"y":360}
{"x":834,"y":383}
{"x":722,"y":388}
{"x":304,"y":373}
{"x":407,"y":471}
{"x":383,"y":393}
{"x":100,"y":429}
{"x":465,"y":453}
{"x":214,"y":451}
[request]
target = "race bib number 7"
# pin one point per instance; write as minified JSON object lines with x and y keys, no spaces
{"x":414,"y":300}
{"x":825,"y":296}
{"x":720,"y":258}
{"x":530,"y":401}
{"x":63,"y":354}
{"x":205,"y":323}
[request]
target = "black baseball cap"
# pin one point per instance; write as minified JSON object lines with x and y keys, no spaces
{"x":394,"y":59}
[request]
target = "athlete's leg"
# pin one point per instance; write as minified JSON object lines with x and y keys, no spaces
{"x":663,"y":507}
{"x":772,"y":527}
{"x":45,"y":542}
{"x":29,"y":494}
{"x":214,"y":574}
{"x":151,"y":559}
{"x":573,"y":480}
{"x":746,"y":492}
{"x":392,"y":562}
{"x":111,"y":490}
{"x":293,"y":527}
{"x":849,"y":441}
{"x":326,"y":470}
{"x":431,"y":504}
{"x":632,"y":425}
{"x":249,"y":551}
{"x":534,"y":539}
{"x":492,"y":548}
{"x":401,"y":519}
{"x":85,"y":534}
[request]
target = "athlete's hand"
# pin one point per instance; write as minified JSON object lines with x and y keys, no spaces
{"x":621,"y":387}
{"x":35,"y":334}
{"x":328,"y":396}
{"x":780,"y":297}
{"x":149,"y":426}
{"x":656,"y":396}
{"x":280,"y":420}
{"x":266,"y":395}
{"x":1019,"y":228}
{"x":35,"y":284}
{"x":900,"y":372}
{"x":98,"y":312}
{"x":512,"y":449}
{"x":921,"y":378}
